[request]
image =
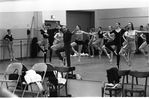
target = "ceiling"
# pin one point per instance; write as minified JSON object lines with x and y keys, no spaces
{"x":46,"y":5}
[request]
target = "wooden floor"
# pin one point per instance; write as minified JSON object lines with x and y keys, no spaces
{"x":89,"y":68}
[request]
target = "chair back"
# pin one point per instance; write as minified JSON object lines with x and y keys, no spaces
{"x":40,"y":67}
{"x":139,"y":74}
{"x":50,"y":67}
{"x":123,"y":72}
{"x":62,"y":70}
{"x":14,"y":66}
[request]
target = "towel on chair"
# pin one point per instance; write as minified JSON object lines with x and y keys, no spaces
{"x":31,"y":77}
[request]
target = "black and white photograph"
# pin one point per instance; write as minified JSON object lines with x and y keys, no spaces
{"x":74,"y":48}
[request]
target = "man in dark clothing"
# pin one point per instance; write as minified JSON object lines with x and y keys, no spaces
{"x":51,"y":33}
{"x":67,"y":47}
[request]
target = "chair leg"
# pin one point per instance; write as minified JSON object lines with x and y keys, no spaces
{"x":66,"y":89}
{"x":131,"y":93}
{"x":115,"y":93}
{"x":102,"y":92}
{"x":24,"y":90}
{"x":31,"y":90}
{"x":58,"y":91}
{"x":110,"y":93}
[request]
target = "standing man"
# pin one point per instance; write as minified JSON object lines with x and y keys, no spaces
{"x":51,"y":33}
{"x":67,"y":47}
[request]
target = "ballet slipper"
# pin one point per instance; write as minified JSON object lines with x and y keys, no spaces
{"x":109,"y":56}
{"x":11,"y":60}
{"x":15,"y":59}
{"x":111,"y":60}
{"x":99,"y":56}
{"x":99,"y":49}
{"x":79,"y":60}
{"x":92,"y":56}
{"x":128,"y":63}
{"x":130,"y":68}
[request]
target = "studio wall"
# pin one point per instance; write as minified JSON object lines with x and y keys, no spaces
{"x":106,"y":17}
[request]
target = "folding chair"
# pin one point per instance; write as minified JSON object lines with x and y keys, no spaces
{"x":63,"y":82}
{"x":141,"y":76}
{"x":39,"y":68}
{"x":12,"y":76}
{"x":51,"y":80}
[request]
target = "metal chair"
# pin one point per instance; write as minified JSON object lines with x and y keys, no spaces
{"x":63,"y":71}
{"x":12,"y":76}
{"x":39,"y":68}
{"x":51,"y":80}
{"x":134,"y":88}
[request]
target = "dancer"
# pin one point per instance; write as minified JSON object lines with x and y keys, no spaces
{"x":58,"y":43}
{"x":44,"y":42}
{"x":79,"y":40}
{"x":67,"y":47}
{"x":145,"y":36}
{"x":58,"y":40}
{"x":51,"y":32}
{"x":109,"y":35}
{"x":90,"y":44}
{"x":130,"y":44}
{"x":98,"y":40}
{"x":9,"y":42}
{"x":118,"y":40}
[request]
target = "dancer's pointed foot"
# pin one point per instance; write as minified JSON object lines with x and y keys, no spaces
{"x":99,"y":56}
{"x":115,"y":52}
{"x":99,"y":49}
{"x":109,"y":56}
{"x":130,"y":68}
{"x":111,"y":60}
{"x":128,"y":63}
{"x":79,"y":60}
{"x":11,"y":59}
{"x":92,"y":56}
{"x":15,"y":59}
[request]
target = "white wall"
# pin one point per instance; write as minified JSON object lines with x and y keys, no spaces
{"x":106,"y":17}
{"x":18,"y":22}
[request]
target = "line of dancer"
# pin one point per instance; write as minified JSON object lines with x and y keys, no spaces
{"x":124,"y":41}
{"x":121,"y":42}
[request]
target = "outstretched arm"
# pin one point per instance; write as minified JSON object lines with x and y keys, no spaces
{"x":142,"y":31}
{"x":88,"y":33}
{"x":124,"y":37}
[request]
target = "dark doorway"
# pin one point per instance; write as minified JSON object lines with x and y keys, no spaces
{"x":83,"y":18}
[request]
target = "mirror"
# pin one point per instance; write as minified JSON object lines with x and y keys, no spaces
{"x":89,"y":68}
